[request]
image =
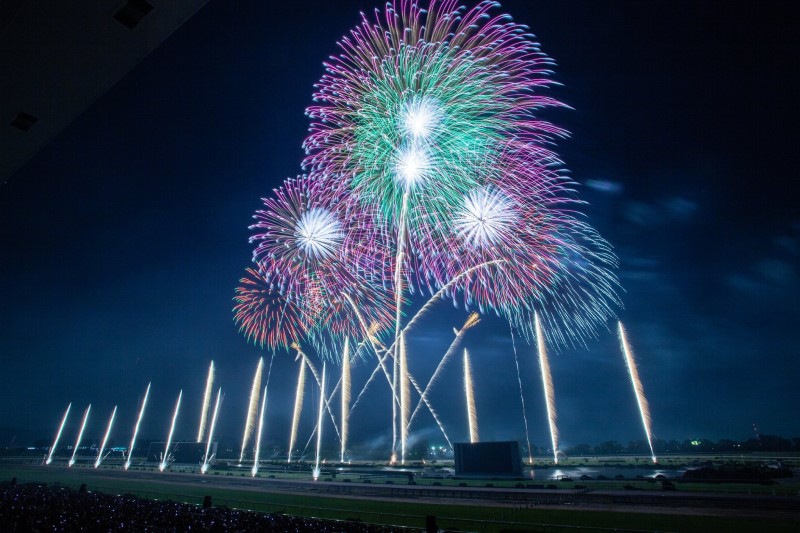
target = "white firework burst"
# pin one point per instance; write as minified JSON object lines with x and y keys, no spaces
{"x":412,"y":165}
{"x":420,"y":117}
{"x":486,"y":215}
{"x":318,"y":233}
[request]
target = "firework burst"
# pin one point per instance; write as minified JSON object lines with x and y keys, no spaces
{"x":429,"y":170}
{"x":419,"y":98}
{"x":298,"y":229}
{"x":485,"y":218}
{"x":264,"y":315}
{"x":428,"y":122}
{"x":546,"y":260}
{"x":318,"y":260}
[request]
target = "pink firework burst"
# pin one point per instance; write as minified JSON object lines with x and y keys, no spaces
{"x":264,"y":315}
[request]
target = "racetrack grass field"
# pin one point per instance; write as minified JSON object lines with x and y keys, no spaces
{"x":470,"y":517}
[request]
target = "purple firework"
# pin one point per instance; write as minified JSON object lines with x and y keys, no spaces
{"x":321,"y":255}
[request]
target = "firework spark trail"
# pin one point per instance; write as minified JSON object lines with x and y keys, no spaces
{"x":58,"y":436}
{"x":319,"y":422}
{"x":165,"y":457}
{"x":377,"y":348}
{"x":430,"y":303}
{"x":472,"y":414}
{"x":206,"y":403}
{"x":521,"y":397}
{"x":413,"y":382}
{"x":327,"y":400}
{"x":638,"y":388}
{"x":308,"y":442}
{"x":405,"y":398}
{"x":366,"y":385}
{"x":438,"y":295}
{"x":431,"y":410}
{"x":298,"y":406}
{"x":345,"y":422}
{"x":391,"y":379}
{"x":387,"y":352}
{"x":547,"y":383}
{"x":359,"y":347}
{"x":257,"y":456}
{"x":80,"y":435}
{"x":398,"y":291}
{"x":207,"y":458}
{"x":257,"y":451}
{"x":472,"y":321}
{"x":252,"y":407}
{"x":105,"y":439}
{"x":330,"y":415}
{"x":136,"y":428}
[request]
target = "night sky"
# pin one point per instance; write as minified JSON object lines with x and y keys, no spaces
{"x":122,"y":241}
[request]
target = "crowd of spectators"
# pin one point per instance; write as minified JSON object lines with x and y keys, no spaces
{"x":35,"y":507}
